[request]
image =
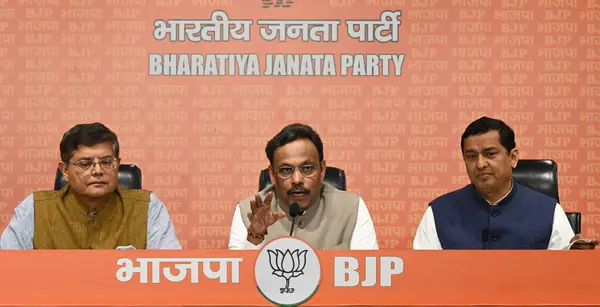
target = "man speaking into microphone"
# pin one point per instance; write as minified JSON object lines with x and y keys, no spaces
{"x":325,"y":217}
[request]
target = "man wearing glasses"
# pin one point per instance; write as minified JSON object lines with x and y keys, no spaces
{"x":328,"y":218}
{"x":91,"y":211}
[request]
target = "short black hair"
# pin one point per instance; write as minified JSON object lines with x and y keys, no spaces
{"x":292,"y":133}
{"x":86,"y":135}
{"x":486,"y":124}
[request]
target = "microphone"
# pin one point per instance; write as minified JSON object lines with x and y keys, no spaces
{"x":484,"y":238}
{"x":294,"y":209}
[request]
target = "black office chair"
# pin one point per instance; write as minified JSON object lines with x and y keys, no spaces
{"x":130,"y":177}
{"x":333,"y":175}
{"x":542,"y":176}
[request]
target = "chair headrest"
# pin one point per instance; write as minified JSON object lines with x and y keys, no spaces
{"x":539,"y":175}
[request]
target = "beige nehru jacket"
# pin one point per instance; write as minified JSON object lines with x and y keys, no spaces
{"x":329,"y":223}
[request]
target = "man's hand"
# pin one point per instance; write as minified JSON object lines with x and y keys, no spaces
{"x":262,"y":217}
{"x":585,"y":244}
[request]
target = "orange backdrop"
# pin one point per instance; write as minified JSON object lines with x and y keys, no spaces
{"x":199,"y":140}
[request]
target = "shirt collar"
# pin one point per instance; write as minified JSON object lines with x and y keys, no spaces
{"x":505,"y":195}
{"x":67,"y":195}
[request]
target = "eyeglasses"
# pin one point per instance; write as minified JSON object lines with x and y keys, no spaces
{"x":106,"y":164}
{"x":286,"y":172}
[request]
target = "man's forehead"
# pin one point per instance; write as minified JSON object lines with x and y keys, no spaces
{"x":483,"y":142}
{"x":295,"y":159}
{"x":482,"y":148}
{"x":296,"y":152}
{"x":491,"y":137}
{"x":99,"y":150}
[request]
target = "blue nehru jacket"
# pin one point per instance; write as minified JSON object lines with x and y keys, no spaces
{"x":522,"y":220}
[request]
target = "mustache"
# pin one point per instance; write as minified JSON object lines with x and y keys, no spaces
{"x":297,"y":190}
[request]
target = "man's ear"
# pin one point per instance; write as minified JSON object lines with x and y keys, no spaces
{"x":514,"y":157}
{"x":323,"y":168}
{"x":63,"y":168}
{"x":272,"y":174}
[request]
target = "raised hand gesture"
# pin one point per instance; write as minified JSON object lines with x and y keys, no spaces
{"x":261,"y":217}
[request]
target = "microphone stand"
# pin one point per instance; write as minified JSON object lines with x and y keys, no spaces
{"x":484,"y":238}
{"x":292,"y":228}
{"x":294,"y":208}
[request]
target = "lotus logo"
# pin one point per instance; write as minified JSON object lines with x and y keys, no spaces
{"x":287,"y":265}
{"x":287,"y":271}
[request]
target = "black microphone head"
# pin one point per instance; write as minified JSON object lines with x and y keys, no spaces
{"x":294,"y":209}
